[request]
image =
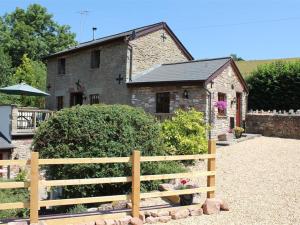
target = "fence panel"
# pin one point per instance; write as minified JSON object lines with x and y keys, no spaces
{"x":136,"y":180}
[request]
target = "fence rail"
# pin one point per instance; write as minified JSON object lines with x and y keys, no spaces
{"x":136,"y":159}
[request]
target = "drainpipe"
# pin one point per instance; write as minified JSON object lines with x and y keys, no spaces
{"x":130,"y":63}
{"x":209,"y":110}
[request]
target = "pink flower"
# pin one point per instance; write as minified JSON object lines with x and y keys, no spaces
{"x":184,"y":181}
{"x":222,"y":105}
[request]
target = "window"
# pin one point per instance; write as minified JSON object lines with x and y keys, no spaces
{"x":163,"y":102}
{"x":221,"y":97}
{"x":94,"y":99}
{"x":95,"y":59}
{"x":61,"y":66}
{"x":59,"y":102}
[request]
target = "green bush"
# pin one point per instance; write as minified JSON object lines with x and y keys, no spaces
{"x":275,"y":86}
{"x":101,"y":131}
{"x":185,"y":133}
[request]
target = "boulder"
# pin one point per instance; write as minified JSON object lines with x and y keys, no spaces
{"x":160,"y":213}
{"x":110,"y":222}
{"x":136,"y":221}
{"x":92,"y":210}
{"x":164,"y":219}
{"x":124,"y":221}
{"x":152,"y":219}
{"x":180,"y":214}
{"x":211,"y":206}
{"x":196,"y":211}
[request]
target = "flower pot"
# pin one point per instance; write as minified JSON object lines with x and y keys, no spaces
{"x":186,"y":199}
{"x":238,"y":135}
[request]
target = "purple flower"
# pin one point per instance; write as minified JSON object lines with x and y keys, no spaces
{"x":222,"y":105}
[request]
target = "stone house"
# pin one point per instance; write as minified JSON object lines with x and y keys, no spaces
{"x":150,"y":68}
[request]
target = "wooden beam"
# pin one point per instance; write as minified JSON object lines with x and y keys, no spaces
{"x":176,"y":157}
{"x":8,"y":185}
{"x":75,"y":201}
{"x":136,"y":183}
{"x":175,"y":175}
{"x":14,"y":205}
{"x":83,"y":160}
{"x":14,"y":162}
{"x":211,"y":166}
{"x":34,"y":188}
{"x":177,"y":192}
{"x":51,"y":183}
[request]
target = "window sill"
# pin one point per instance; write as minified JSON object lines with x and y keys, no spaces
{"x":221,"y":116}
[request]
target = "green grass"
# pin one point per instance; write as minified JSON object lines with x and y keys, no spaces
{"x":246,"y":67}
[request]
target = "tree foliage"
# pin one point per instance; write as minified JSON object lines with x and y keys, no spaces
{"x":185,"y":133}
{"x":101,"y":131}
{"x":32,"y":73}
{"x":236,"y":58}
{"x":275,"y":86}
{"x":33,"y":32}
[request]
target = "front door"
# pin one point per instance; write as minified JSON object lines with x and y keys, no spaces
{"x":238,"y":109}
{"x":76,"y":98}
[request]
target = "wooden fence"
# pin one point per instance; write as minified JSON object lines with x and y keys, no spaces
{"x":136,"y":159}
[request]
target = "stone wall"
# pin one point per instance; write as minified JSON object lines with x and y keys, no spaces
{"x":145,"y":97}
{"x":151,"y":50}
{"x":228,"y":83}
{"x":102,"y":80}
{"x":274,"y":123}
{"x":22,"y":148}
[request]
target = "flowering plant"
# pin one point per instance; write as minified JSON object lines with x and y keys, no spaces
{"x":185,"y":184}
{"x":222,"y":105}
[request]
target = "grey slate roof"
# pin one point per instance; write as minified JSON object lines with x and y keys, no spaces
{"x":198,"y":70}
{"x":126,"y":34}
{"x":4,"y":144}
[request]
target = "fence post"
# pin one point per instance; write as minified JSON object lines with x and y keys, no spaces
{"x":34,"y":188}
{"x":136,"y":183}
{"x":211,"y":166}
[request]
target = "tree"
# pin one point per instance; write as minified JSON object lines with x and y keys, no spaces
{"x":33,"y":32}
{"x":5,"y":68}
{"x":32,"y":73}
{"x":275,"y":86}
{"x":236,"y":58}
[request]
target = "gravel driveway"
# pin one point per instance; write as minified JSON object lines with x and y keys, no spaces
{"x":260,"y":179}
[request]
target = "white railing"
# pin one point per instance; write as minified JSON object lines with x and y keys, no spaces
{"x":27,"y":120}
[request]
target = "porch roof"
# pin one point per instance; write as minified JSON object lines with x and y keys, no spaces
{"x":197,"y":70}
{"x":4,"y":143}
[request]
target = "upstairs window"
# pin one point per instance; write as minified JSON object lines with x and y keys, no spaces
{"x":221,"y":97}
{"x":163,"y":102}
{"x":61,"y":66}
{"x":94,"y":99}
{"x":59,"y":102}
{"x":95,"y":59}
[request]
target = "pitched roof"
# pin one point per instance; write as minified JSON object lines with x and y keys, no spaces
{"x":198,"y":70}
{"x":4,"y":143}
{"x":140,"y":31}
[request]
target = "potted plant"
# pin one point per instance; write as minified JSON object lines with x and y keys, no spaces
{"x":221,"y":105}
{"x":186,"y":199}
{"x":238,"y":131}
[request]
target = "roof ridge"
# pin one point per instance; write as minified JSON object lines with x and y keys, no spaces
{"x":142,"y":27}
{"x":198,"y":60}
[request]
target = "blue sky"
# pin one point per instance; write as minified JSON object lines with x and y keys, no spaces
{"x":253,"y":29}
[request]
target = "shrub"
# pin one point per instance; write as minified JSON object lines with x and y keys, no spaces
{"x":77,"y":209}
{"x":275,"y":86}
{"x":185,"y":133}
{"x":101,"y":131}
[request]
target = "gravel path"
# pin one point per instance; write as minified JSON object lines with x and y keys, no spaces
{"x":260,"y":179}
